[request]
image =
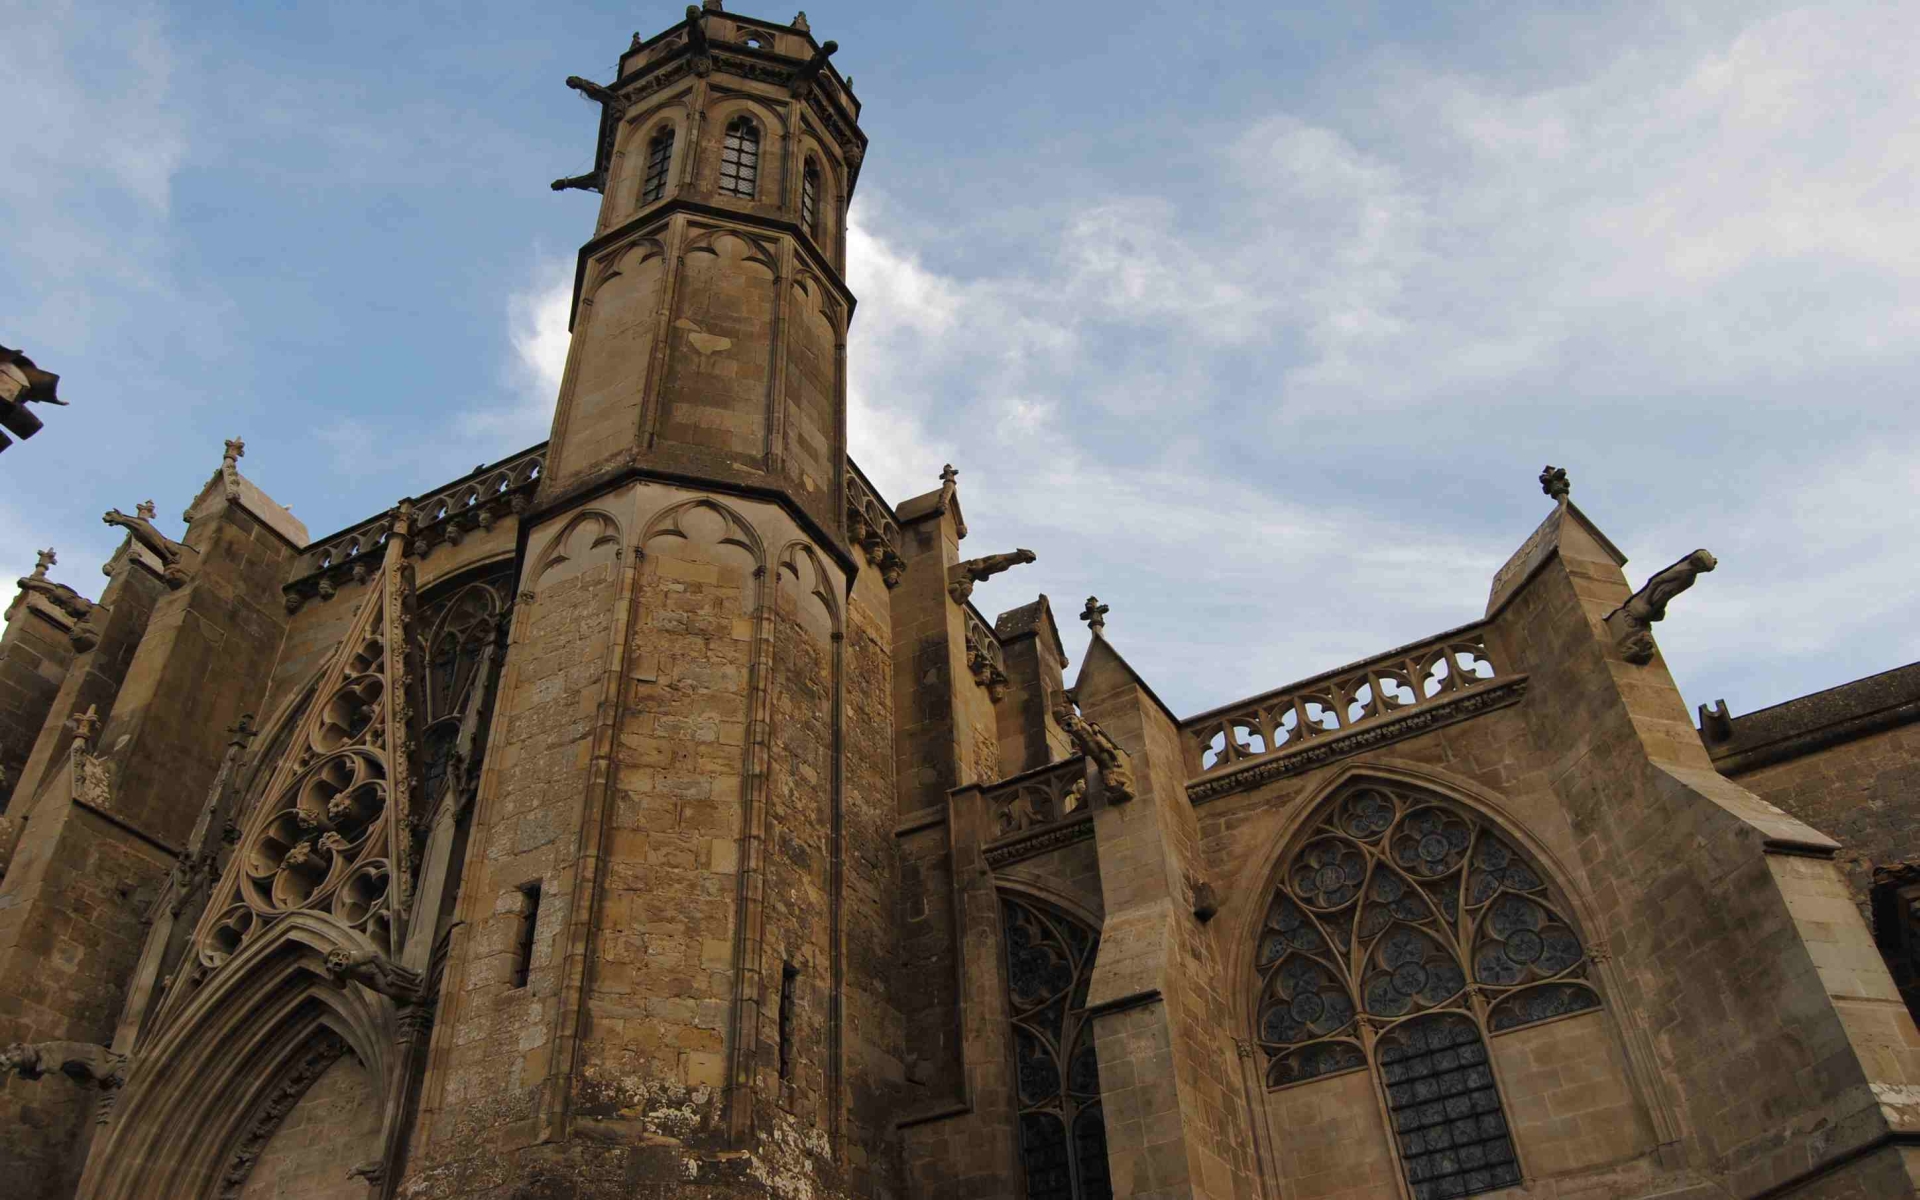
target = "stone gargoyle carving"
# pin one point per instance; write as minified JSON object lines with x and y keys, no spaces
{"x":59,"y":595}
{"x":1116,"y":769}
{"x":961,"y":576}
{"x":172,"y":554}
{"x":596,"y":179}
{"x":377,"y":973}
{"x":1632,"y":623}
{"x":82,"y":1062}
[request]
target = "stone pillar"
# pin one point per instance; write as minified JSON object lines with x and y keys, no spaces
{"x":1029,"y":736}
{"x":108,"y":821}
{"x":1177,"y":1124}
{"x":1769,"y":1037}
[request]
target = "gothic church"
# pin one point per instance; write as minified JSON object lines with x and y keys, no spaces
{"x":651,"y":814}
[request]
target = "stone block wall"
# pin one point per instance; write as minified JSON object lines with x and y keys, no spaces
{"x":34,"y":657}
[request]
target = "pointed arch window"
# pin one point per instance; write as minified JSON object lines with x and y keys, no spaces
{"x":810,"y":197}
{"x":1063,"y":1135}
{"x":740,"y":158}
{"x":1405,"y":931}
{"x":653,"y":184}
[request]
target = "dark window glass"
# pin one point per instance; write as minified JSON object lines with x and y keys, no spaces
{"x":1063,"y":1138}
{"x":810,"y":197}
{"x":659,"y":158}
{"x":740,"y":158}
{"x":1445,"y":1110}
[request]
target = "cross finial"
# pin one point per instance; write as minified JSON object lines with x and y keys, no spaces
{"x":1554,"y":482}
{"x":42,"y":561}
{"x":1094,"y":614}
{"x":236,"y":449}
{"x":948,"y":475}
{"x":145,"y":510}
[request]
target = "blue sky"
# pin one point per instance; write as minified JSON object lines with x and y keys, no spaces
{"x":1256,"y":320}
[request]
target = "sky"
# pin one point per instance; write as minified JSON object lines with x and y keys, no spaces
{"x":1257,"y":320}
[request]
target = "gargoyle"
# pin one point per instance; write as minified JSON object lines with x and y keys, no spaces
{"x":172,"y":554}
{"x":1116,"y":770}
{"x":82,"y":1062}
{"x":1632,"y":623}
{"x":804,"y":78}
{"x":59,"y":595}
{"x":592,"y":181}
{"x":377,"y":973}
{"x":698,"y":48}
{"x":961,"y":576}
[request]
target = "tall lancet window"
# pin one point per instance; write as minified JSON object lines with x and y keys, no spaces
{"x":740,"y":158}
{"x":810,"y":197}
{"x":653,"y":184}
{"x":1406,"y":931}
{"x":1063,"y":1137}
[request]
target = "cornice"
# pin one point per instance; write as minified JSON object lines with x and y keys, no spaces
{"x":1035,"y":842}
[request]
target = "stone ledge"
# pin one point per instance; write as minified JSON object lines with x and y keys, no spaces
{"x":1034,"y":842}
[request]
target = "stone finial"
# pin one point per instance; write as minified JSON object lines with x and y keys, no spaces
{"x":145,"y":510}
{"x":1632,"y":623}
{"x":711,"y":5}
{"x":236,"y":450}
{"x":41,"y":561}
{"x":85,"y":726}
{"x":1095,"y":615}
{"x":1554,"y":482}
{"x":800,"y":21}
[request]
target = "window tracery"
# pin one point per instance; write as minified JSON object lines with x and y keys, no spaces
{"x":1403,"y":932}
{"x":740,"y":158}
{"x":810,"y":197}
{"x":1063,"y":1137}
{"x":653,"y":184}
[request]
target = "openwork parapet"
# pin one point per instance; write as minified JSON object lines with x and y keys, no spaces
{"x":872,"y":527}
{"x":1037,"y":811}
{"x":1330,"y":705}
{"x":447,"y":514}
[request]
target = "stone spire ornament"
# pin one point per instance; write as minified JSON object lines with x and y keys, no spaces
{"x":236,"y":450}
{"x":41,"y":561}
{"x":1095,"y":615}
{"x":1554,"y":482}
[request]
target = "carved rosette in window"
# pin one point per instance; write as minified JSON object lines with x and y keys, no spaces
{"x":1399,"y":907}
{"x":334,"y":834}
{"x":1063,"y":1138}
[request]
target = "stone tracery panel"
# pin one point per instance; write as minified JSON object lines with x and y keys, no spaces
{"x":1404,"y":931}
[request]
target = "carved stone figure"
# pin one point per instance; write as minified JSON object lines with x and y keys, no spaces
{"x":172,"y":554}
{"x":804,"y":78}
{"x":1554,"y":482}
{"x":963,"y":575}
{"x":1116,"y":769}
{"x":375,"y":972}
{"x":82,"y":1062}
{"x":1632,"y":623}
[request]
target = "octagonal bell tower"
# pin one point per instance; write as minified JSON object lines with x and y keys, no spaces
{"x":710,"y":315}
{"x":651,"y":982}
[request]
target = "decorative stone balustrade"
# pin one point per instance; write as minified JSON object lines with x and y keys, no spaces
{"x":1346,"y":709}
{"x":446,"y":514}
{"x":872,"y":527}
{"x":1038,"y":810}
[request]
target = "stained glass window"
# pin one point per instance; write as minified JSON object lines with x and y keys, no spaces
{"x":653,"y":184}
{"x":1063,"y":1137}
{"x":1405,"y":930}
{"x":740,"y":158}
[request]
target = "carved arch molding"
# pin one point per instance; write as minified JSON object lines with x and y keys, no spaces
{"x":1406,"y":930}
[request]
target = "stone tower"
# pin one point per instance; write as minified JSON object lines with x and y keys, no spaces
{"x":653,"y":979}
